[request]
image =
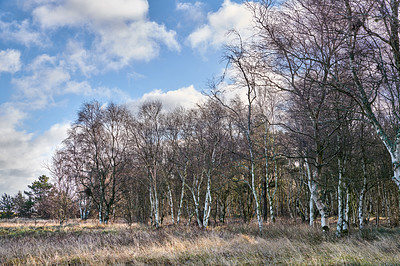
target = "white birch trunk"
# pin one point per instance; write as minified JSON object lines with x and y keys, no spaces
{"x":100,"y":213}
{"x":151,"y":206}
{"x":312,"y":204}
{"x":346,"y":212}
{"x":312,"y":185}
{"x":171,"y":203}
{"x":361,"y":205}
{"x":84,"y":208}
{"x":254,"y":191}
{"x":156,"y":210}
{"x":154,"y":207}
{"x":270,"y":195}
{"x":361,"y":197}
{"x":181,"y":201}
{"x":196,"y":208}
{"x":312,"y":208}
{"x":395,"y":155}
{"x":207,"y":203}
{"x":339,"y":226}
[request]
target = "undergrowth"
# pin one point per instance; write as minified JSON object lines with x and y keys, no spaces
{"x":233,"y":244}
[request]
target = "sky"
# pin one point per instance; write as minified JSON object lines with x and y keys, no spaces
{"x":57,"y":54}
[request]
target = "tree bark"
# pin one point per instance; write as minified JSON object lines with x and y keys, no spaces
{"x":313,"y":186}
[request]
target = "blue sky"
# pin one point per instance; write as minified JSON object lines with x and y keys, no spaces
{"x":57,"y":54}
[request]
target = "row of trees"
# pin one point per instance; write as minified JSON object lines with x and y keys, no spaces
{"x":37,"y":201}
{"x":339,"y":63}
{"x":305,"y":121}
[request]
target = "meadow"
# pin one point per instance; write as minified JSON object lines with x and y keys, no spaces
{"x":28,"y":242}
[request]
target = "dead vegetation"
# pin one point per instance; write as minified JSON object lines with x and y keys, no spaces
{"x":46,"y":243}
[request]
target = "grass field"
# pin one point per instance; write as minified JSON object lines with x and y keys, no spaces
{"x":76,"y":243}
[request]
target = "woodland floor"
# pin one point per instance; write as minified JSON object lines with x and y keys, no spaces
{"x":25,"y":242}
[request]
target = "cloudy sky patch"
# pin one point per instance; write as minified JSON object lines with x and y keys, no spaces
{"x":57,"y":54}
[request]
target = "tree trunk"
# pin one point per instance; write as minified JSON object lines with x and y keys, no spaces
{"x":171,"y":203}
{"x":181,"y":199}
{"x":207,"y":203}
{"x":312,"y":185}
{"x":361,"y":199}
{"x":156,"y":209}
{"x":100,"y":212}
{"x":264,"y":199}
{"x":312,"y":211}
{"x":196,"y":208}
{"x":339,"y":227}
{"x":346,"y":212}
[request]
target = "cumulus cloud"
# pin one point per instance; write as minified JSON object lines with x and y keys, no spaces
{"x":213,"y":34}
{"x":138,"y":40}
{"x":192,"y":11}
{"x":20,"y":32}
{"x":186,"y":97}
{"x":77,"y":12}
{"x":121,"y":28}
{"x":22,"y":154}
{"x":78,"y":59}
{"x":10,"y":60}
{"x":47,"y":78}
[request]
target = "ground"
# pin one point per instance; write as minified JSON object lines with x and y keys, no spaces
{"x":29,"y":242}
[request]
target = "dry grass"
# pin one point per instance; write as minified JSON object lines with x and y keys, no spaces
{"x":46,"y":243}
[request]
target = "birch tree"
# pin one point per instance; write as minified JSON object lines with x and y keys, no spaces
{"x":147,"y":136}
{"x":373,"y":57}
{"x":301,"y":41}
{"x":99,"y":144}
{"x":244,"y":77}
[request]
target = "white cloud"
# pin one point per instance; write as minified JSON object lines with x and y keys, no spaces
{"x":186,"y":97}
{"x":48,"y":78}
{"x":121,"y":28}
{"x":136,"y":41}
{"x":10,"y":61}
{"x":77,"y":12}
{"x":192,"y":11}
{"x":85,"y":89}
{"x":22,"y":154}
{"x":231,"y":16}
{"x":20,"y":32}
{"x":78,"y":59}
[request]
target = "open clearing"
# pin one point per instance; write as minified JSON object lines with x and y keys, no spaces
{"x":46,"y":243}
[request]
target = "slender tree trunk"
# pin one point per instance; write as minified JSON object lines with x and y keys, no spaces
{"x":266,"y":193}
{"x":361,"y":198}
{"x":254,"y":191}
{"x":156,"y":209}
{"x":312,"y":185}
{"x":312,"y":211}
{"x":171,"y":203}
{"x":271,"y":196}
{"x":151,"y":207}
{"x":264,"y":198}
{"x":312,"y":205}
{"x":339,"y":227}
{"x":100,"y":212}
{"x":181,"y":199}
{"x":196,"y":208}
{"x":346,"y":212}
{"x":207,"y":202}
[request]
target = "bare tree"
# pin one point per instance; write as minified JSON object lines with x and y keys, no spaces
{"x":244,"y":70}
{"x":147,"y":135}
